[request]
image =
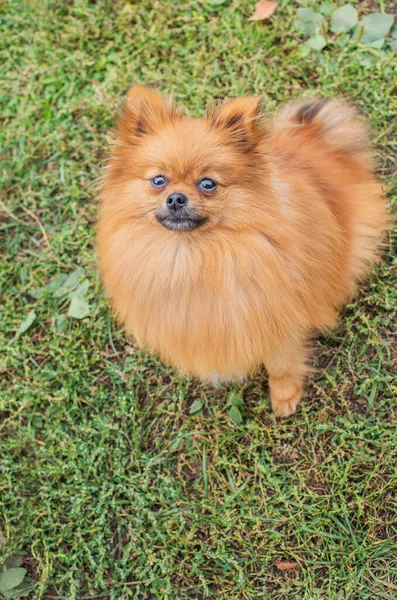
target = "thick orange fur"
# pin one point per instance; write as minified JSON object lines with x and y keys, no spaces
{"x":295,"y":224}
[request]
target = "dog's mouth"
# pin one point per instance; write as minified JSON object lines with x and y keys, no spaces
{"x":184,"y":221}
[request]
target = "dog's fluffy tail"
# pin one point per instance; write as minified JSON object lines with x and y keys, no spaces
{"x":348,"y":180}
{"x":335,"y":121}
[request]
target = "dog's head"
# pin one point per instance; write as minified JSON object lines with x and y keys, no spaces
{"x":181,"y":173}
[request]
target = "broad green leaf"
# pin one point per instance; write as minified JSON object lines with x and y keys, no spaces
{"x":376,"y":27}
{"x":367,"y":60}
{"x":196,"y":407}
{"x":234,"y":399}
{"x":392,"y":39}
{"x":344,"y":19}
{"x":326,"y":8}
{"x":308,"y":21}
{"x":30,"y":319}
{"x":38,"y":292}
{"x":235,"y":415}
{"x":78,"y":308}
{"x":14,"y":561}
{"x":37,"y":422}
{"x":216,"y":2}
{"x":81,"y":289}
{"x":72,"y":280}
{"x":343,"y":40}
{"x":61,"y":323}
{"x":129,"y":364}
{"x":60,"y":292}
{"x":317,"y":42}
{"x":71,"y":284}
{"x":373,"y":393}
{"x":175,"y":445}
{"x":21,"y":591}
{"x":378,"y":44}
{"x":56,"y":283}
{"x":52,"y":286}
{"x":11,"y":578}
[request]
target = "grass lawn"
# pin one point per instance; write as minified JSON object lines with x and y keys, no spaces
{"x":118,"y":477}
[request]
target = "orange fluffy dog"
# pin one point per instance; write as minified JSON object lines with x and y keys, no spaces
{"x":226,"y":242}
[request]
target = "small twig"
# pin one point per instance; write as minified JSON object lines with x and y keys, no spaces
{"x":339,"y":348}
{"x":11,"y":214}
{"x":45,"y":236}
{"x":331,"y":362}
{"x":104,"y":595}
{"x":40,"y":224}
{"x":145,"y":581}
{"x":79,"y":598}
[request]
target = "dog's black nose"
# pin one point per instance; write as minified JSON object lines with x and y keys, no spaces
{"x":176,"y":201}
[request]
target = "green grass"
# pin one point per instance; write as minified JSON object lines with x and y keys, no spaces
{"x":109,"y":487}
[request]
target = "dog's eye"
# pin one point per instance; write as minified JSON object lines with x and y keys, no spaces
{"x":207,"y":184}
{"x":159,"y":181}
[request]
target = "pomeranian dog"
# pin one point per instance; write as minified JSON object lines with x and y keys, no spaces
{"x":226,"y":242}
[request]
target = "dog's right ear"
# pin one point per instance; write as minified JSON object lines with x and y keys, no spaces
{"x":144,"y":112}
{"x":241,"y":119}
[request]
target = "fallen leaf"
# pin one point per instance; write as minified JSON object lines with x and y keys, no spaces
{"x":286,"y":565}
{"x":61,"y":323}
{"x":344,"y":19}
{"x":78,"y":308}
{"x":308,"y":21}
{"x":28,"y":322}
{"x":14,"y":561}
{"x":326,"y":8}
{"x":11,"y":578}
{"x":81,"y":289}
{"x":317,"y":42}
{"x":234,"y":399}
{"x":235,"y":415}
{"x":196,"y":407}
{"x":376,"y":27}
{"x":263,"y":10}
{"x":72,"y":280}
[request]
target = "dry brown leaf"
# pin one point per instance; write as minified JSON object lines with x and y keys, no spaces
{"x":286,"y":565}
{"x":263,"y":10}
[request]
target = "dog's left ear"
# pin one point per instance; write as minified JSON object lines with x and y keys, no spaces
{"x":241,"y":119}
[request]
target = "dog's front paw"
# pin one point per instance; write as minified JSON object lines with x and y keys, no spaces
{"x":285,"y":394}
